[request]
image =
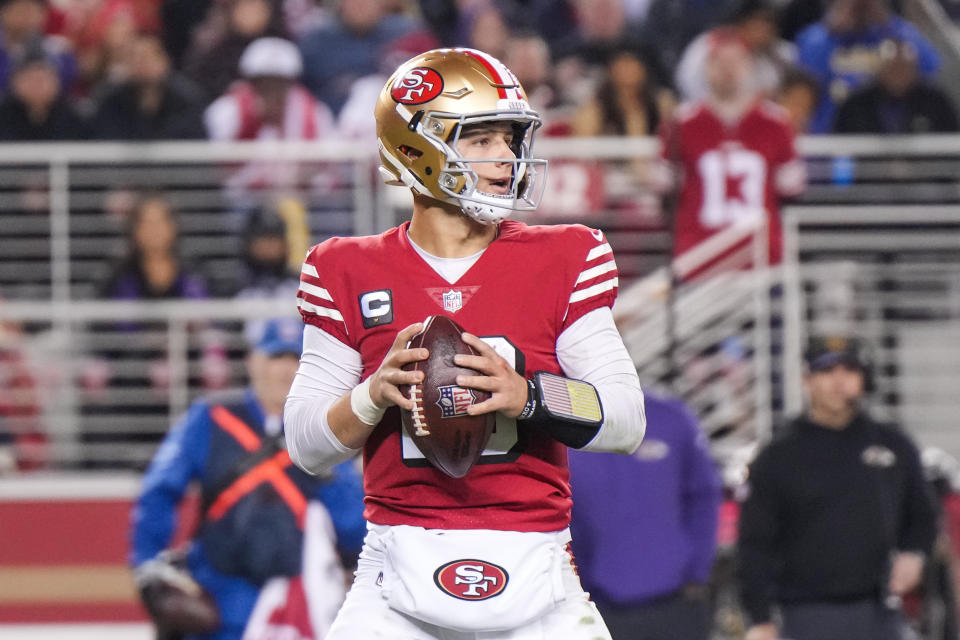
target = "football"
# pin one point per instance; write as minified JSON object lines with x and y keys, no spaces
{"x":450,"y":438}
{"x":175,"y":601}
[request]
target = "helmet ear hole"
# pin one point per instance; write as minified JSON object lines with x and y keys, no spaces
{"x":409,"y":152}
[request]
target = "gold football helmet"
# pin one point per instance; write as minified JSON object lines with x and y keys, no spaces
{"x":421,"y":112}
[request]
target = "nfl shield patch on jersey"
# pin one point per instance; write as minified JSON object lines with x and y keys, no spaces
{"x":452,"y":301}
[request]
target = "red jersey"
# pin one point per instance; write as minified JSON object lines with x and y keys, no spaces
{"x":530,"y":284}
{"x":731,"y":173}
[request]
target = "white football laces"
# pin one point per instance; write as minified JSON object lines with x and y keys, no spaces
{"x":419,"y":421}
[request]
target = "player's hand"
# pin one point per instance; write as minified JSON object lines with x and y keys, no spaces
{"x":766,"y":631}
{"x":905,"y":573}
{"x":508,"y":388}
{"x":384,"y":391}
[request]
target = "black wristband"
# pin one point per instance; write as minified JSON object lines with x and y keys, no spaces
{"x":530,"y":408}
{"x":571,"y":422}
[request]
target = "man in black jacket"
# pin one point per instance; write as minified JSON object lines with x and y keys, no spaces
{"x":154,"y":103}
{"x":899,"y":101}
{"x":35,"y":107}
{"x":839,"y":518}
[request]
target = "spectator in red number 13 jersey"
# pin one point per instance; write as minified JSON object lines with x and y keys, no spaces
{"x":731,"y":156}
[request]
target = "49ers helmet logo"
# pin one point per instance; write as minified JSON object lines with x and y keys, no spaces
{"x":416,"y":86}
{"x":471,"y":579}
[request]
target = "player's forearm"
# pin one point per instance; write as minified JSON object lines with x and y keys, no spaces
{"x":328,"y":372}
{"x":311,"y":441}
{"x":591,"y":350}
{"x":624,"y":418}
{"x":349,"y":430}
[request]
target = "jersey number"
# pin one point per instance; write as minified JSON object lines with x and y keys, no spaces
{"x":733,"y":187}
{"x":504,"y":444}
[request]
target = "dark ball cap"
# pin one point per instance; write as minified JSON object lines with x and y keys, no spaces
{"x":34,"y":53}
{"x":264,"y":223}
{"x":825,"y":352}
{"x":748,"y":9}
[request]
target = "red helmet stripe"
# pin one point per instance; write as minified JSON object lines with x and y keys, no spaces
{"x":497,"y":78}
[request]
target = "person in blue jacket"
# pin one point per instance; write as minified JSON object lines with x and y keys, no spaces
{"x":843,"y":51}
{"x":253,"y":498}
{"x":645,"y":526}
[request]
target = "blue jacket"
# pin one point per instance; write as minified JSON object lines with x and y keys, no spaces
{"x":58,"y":53}
{"x":334,"y":57}
{"x":845,"y":62}
{"x":196,"y":449}
{"x":645,"y":525}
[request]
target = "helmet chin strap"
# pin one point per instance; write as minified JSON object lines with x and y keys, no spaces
{"x":486,"y":208}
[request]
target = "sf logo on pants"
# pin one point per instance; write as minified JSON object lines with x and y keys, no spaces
{"x":471,"y":579}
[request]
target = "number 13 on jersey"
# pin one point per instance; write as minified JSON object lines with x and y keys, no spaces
{"x":733,"y":187}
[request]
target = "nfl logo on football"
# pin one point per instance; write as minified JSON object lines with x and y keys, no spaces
{"x":452,"y":301}
{"x":454,"y":401}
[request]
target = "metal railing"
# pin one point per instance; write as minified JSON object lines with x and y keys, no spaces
{"x":61,"y":226}
{"x":64,"y":206}
{"x":702,"y":329}
{"x":114,"y":375}
{"x":893,"y":277}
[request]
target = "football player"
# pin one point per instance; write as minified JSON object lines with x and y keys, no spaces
{"x":455,"y":128}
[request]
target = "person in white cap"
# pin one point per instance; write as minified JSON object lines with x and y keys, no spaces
{"x":268,"y":101}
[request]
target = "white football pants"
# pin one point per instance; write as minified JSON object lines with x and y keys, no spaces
{"x":365,"y":614}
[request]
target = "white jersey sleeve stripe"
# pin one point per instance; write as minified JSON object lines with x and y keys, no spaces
{"x":320,"y":311}
{"x":593,"y":272}
{"x":598,"y":251}
{"x":310,"y":270}
{"x":314,"y":290}
{"x":594,"y":290}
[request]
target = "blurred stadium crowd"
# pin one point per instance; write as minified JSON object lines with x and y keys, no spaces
{"x":174,"y":70}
